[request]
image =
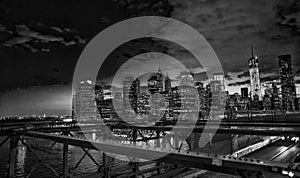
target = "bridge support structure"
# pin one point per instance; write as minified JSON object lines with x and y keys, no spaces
{"x":14,"y":140}
{"x":175,"y":160}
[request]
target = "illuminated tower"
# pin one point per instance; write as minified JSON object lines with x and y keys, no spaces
{"x":288,"y":87}
{"x":84,"y":103}
{"x":220,"y":77}
{"x":131,"y":88}
{"x":186,"y":78}
{"x":155,"y":83}
{"x":255,"y":87}
{"x":127,"y":83}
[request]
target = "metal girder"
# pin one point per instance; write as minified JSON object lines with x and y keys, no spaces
{"x":91,"y":157}
{"x":65,"y":161}
{"x":245,"y":129}
{"x":220,"y":130}
{"x":250,"y":174}
{"x":12,"y":155}
{"x":33,"y":168}
{"x":39,"y":158}
{"x":189,"y":159}
{"x":107,"y":164}
{"x":4,"y":141}
{"x":170,"y":173}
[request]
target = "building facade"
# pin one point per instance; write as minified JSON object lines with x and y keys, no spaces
{"x":84,"y":102}
{"x":255,"y":86}
{"x":288,"y":87}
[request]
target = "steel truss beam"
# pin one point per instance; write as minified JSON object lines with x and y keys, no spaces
{"x":197,"y":160}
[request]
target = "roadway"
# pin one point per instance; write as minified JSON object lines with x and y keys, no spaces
{"x":279,"y":151}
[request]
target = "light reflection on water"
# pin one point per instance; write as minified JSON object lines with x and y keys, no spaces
{"x":20,"y":160}
{"x":25,"y":160}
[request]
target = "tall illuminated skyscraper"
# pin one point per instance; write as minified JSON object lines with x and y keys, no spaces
{"x":131,"y":88}
{"x":155,"y":83}
{"x":127,"y":83}
{"x":84,"y":103}
{"x":186,"y":78}
{"x":288,"y":87}
{"x":220,"y":77}
{"x":255,"y":86}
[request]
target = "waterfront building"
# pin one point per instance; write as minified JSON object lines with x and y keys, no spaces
{"x":84,"y":102}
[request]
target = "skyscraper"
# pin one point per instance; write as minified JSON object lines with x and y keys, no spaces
{"x":288,"y":87}
{"x":84,"y":103}
{"x":255,"y":86}
{"x":216,"y":86}
{"x":155,"y":83}
{"x":168,"y":84}
{"x":186,"y":78}
{"x":127,"y":91}
{"x":276,"y":104}
{"x":189,"y":103}
{"x":131,"y":89}
{"x":220,"y":77}
{"x":244,"y":92}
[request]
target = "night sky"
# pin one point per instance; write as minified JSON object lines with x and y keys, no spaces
{"x":41,"y":41}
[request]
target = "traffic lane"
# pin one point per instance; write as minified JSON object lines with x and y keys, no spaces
{"x":267,"y":152}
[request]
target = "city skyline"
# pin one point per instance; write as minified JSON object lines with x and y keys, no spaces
{"x":150,"y":88}
{"x":39,"y":53}
{"x":176,"y":81}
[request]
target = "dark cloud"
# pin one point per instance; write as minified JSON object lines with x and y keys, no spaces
{"x":289,"y":14}
{"x":269,"y":78}
{"x":239,"y":25}
{"x":146,"y":7}
{"x":31,"y":39}
{"x":57,"y":27}
{"x":133,"y":48}
{"x":239,"y":83}
{"x":262,"y":79}
{"x":228,"y":77}
{"x":105,"y":20}
{"x":56,"y":70}
{"x":244,"y":74}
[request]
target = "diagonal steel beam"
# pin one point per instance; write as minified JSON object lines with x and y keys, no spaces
{"x":4,"y":141}
{"x":39,"y":158}
{"x":91,"y":157}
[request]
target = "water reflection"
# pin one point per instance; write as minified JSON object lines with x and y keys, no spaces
{"x":20,"y":159}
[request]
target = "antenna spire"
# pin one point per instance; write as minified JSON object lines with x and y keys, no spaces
{"x":159,"y":70}
{"x":252,"y":50}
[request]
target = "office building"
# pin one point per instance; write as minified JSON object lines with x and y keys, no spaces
{"x":288,"y":87}
{"x":84,"y":102}
{"x":255,"y":86}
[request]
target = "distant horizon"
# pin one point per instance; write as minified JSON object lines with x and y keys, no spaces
{"x":68,"y":105}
